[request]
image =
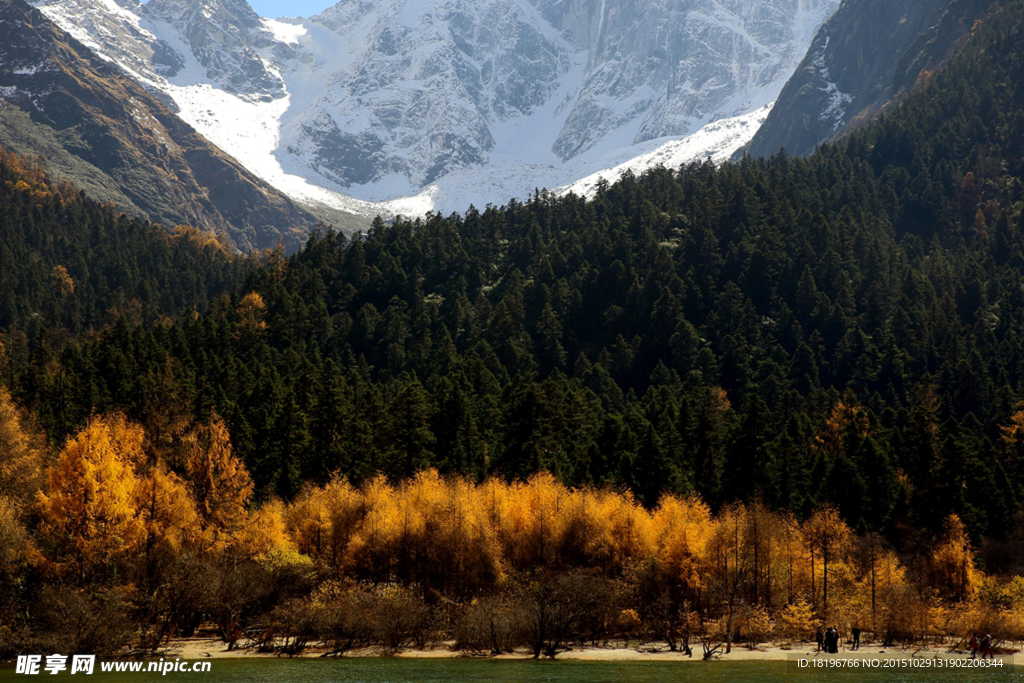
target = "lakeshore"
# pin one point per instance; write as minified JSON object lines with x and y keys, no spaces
{"x":213,"y":648}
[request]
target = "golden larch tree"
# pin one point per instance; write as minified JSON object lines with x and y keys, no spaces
{"x":167,"y":511}
{"x":91,"y":510}
{"x":374,"y":547}
{"x":252,"y":309}
{"x":846,"y":415}
{"x":828,"y":538}
{"x":219,"y":482}
{"x":1013,"y":443}
{"x":684,"y":527}
{"x":16,"y":548}
{"x":322,"y":520}
{"x":953,"y":562}
{"x":22,"y":452}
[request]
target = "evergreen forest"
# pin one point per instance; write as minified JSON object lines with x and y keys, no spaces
{"x":712,"y":403}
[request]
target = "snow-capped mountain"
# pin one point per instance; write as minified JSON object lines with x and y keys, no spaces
{"x":99,"y":129}
{"x":411,"y":105}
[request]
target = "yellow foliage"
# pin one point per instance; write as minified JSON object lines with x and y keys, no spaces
{"x":828,"y":539}
{"x":218,"y":480}
{"x":796,"y":621}
{"x":202,"y":239}
{"x":684,"y":528}
{"x":1013,"y":593}
{"x":16,"y":548}
{"x":91,"y":504}
{"x":720,"y":400}
{"x":429,"y":530}
{"x":589,"y":538}
{"x":535,"y":522}
{"x":633,"y":530}
{"x":321,"y":521}
{"x":496,"y":502}
{"x":285,"y":557}
{"x":1013,"y":434}
{"x":953,"y":562}
{"x":167,"y":510}
{"x":62,"y":280}
{"x":252,"y":309}
{"x":628,"y":620}
{"x":1013,"y":442}
{"x":827,"y":533}
{"x":755,"y":624}
{"x":845,"y":415}
{"x":22,"y":452}
{"x":376,"y":542}
{"x":455,"y":545}
{"x":263,"y":533}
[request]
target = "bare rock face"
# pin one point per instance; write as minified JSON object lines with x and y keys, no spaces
{"x":617,"y":72}
{"x":93,"y":121}
{"x":666,"y":67}
{"x":405,"y":92}
{"x":225,"y":37}
{"x":425,"y":84}
{"x":864,"y":59}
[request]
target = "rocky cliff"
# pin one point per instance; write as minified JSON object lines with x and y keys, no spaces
{"x":864,"y":59}
{"x":105,"y":132}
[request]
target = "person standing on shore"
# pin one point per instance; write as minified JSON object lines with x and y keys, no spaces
{"x":819,"y":637}
{"x":856,"y":638}
{"x":986,"y":647}
{"x":974,"y":645}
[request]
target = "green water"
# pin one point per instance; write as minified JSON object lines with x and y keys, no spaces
{"x":382,"y":670}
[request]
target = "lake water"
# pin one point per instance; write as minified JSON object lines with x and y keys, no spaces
{"x":383,"y":670}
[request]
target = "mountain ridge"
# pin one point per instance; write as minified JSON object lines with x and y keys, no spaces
{"x":866,"y":58}
{"x":113,"y":127}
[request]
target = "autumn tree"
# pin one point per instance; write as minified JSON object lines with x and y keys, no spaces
{"x":1013,"y":446}
{"x":218,"y":481}
{"x":828,"y":536}
{"x":251,"y":310}
{"x":23,"y":452}
{"x":322,"y":520}
{"x":796,"y":621}
{"x":169,"y":517}
{"x":16,"y":552}
{"x":953,"y":562}
{"x":90,"y":512}
{"x":684,"y":527}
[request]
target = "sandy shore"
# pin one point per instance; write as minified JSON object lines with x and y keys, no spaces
{"x":203,"y":648}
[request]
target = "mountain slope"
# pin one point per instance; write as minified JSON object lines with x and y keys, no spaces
{"x":378,"y":102}
{"x":69,"y":264}
{"x":125,"y":144}
{"x":845,"y":329}
{"x":870,"y":54}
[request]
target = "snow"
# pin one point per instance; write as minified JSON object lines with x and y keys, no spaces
{"x":319,"y":58}
{"x":837,"y":100}
{"x":717,"y":141}
{"x":115,"y":10}
{"x":286,"y":32}
{"x":29,"y":70}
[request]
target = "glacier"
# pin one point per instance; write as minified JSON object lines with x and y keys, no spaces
{"x":408,"y":106}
